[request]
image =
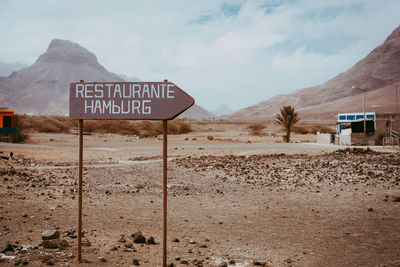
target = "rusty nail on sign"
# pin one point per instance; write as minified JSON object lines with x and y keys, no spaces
{"x":126,"y":101}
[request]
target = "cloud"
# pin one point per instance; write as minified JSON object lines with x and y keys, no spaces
{"x":247,"y":50}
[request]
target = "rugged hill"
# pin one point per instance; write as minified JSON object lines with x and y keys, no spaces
{"x":379,"y":72}
{"x":43,"y":88}
{"x":196,"y":112}
{"x":222,"y":110}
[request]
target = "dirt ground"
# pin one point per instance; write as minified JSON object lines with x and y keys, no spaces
{"x":235,"y":200}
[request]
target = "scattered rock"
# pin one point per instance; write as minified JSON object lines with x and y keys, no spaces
{"x":139,"y":238}
{"x":223,"y":264}
{"x":289,"y":260}
{"x":121,"y":239}
{"x":2,"y":156}
{"x":101,"y":259}
{"x":8,"y":248}
{"x":260,"y":263}
{"x":51,"y":239}
{"x":200,"y":245}
{"x":135,"y":262}
{"x":184,"y":262}
{"x":151,"y":240}
{"x":86,"y":243}
{"x":128,"y":245}
{"x":64,"y":243}
{"x":50,"y":234}
{"x":370,"y":209}
{"x":176,"y":240}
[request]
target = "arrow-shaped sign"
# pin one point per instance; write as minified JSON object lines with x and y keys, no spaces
{"x":127,"y":101}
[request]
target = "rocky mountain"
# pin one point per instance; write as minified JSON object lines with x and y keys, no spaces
{"x":196,"y":112}
{"x":43,"y":88}
{"x":222,"y":110}
{"x":8,"y":68}
{"x":379,"y":72}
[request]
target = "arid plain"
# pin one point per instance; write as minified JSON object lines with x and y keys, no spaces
{"x":235,"y":200}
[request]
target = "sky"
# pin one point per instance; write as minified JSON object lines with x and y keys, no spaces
{"x":233,"y":53}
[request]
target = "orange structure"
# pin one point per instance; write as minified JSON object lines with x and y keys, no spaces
{"x":7,"y":122}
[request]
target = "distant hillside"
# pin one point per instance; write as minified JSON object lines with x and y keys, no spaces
{"x":7,"y":68}
{"x":43,"y":88}
{"x":379,"y":72}
{"x":196,"y":112}
{"x":222,"y":110}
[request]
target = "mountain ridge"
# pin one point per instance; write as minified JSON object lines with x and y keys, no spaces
{"x":43,"y":87}
{"x":379,"y":69}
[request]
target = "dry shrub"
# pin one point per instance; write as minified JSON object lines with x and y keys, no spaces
{"x":312,"y":129}
{"x":20,"y":137}
{"x":149,"y":129}
{"x":179,"y":127}
{"x":44,"y":124}
{"x":256,"y":129}
{"x":61,"y":124}
{"x":301,"y":129}
{"x":122,"y":127}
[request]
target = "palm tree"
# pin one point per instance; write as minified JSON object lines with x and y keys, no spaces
{"x":287,"y":118}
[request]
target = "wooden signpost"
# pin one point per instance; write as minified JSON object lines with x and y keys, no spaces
{"x":126,"y":101}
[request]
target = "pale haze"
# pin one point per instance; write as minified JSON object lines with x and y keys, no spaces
{"x":233,"y":53}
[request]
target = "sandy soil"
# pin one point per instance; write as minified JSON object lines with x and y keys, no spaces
{"x":236,"y":200}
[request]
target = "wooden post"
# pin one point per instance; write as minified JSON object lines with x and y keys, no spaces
{"x":396,"y":97}
{"x":165,"y":130}
{"x":80,"y":128}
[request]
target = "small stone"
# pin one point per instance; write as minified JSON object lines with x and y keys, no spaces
{"x":232,"y":262}
{"x":151,"y":240}
{"x":192,"y":242}
{"x":8,"y":248}
{"x":175,"y":240}
{"x":170,"y":264}
{"x":202,"y":245}
{"x":17,"y":262}
{"x":138,"y":238}
{"x":121,"y":239}
{"x":260,"y":263}
{"x":289,"y":260}
{"x":223,"y":264}
{"x":50,"y":234}
{"x":50,"y":243}
{"x":114,"y":248}
{"x":86,"y":243}
{"x":64,"y":243}
{"x":128,"y":245}
{"x":102,"y":259}
{"x":370,"y":209}
{"x":135,"y":262}
{"x":185,"y":262}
